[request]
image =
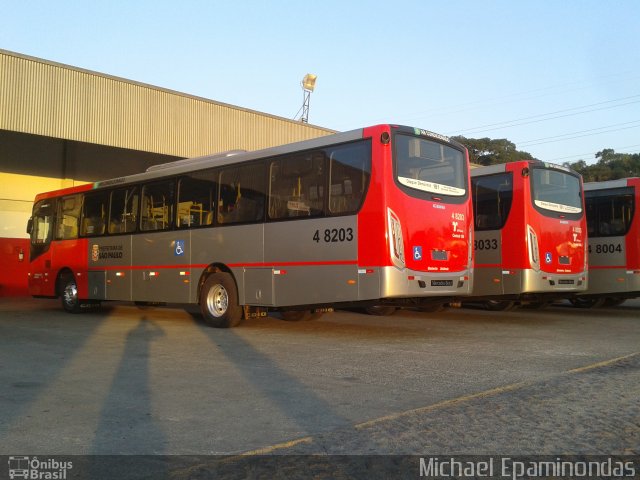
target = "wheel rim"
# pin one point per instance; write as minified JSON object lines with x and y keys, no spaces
{"x":217,"y":301}
{"x":70,"y":294}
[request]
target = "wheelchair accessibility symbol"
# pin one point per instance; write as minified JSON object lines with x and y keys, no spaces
{"x":548,"y":257}
{"x":417,"y":253}
{"x":179,"y":249}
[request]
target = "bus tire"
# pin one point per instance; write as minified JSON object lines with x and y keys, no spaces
{"x":69,"y":294}
{"x":499,"y":305}
{"x":614,"y":301}
{"x":380,"y":310}
{"x":589,"y":302}
{"x":219,"y":301}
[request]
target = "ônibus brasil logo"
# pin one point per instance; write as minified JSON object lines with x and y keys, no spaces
{"x":36,"y":469}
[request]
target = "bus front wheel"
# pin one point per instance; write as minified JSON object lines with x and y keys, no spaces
{"x":219,"y":301}
{"x":69,"y":294}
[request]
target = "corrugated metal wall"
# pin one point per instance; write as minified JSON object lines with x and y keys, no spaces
{"x":59,"y":101}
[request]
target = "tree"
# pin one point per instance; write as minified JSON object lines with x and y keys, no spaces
{"x":487,"y":151}
{"x":610,"y":166}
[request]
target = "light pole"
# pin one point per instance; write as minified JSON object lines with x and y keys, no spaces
{"x":308,"y":84}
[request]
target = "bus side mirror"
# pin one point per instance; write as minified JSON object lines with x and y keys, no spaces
{"x":30,"y":225}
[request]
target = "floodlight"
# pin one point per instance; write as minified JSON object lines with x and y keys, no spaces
{"x":309,"y":82}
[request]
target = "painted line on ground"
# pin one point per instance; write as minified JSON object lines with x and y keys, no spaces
{"x":445,"y":403}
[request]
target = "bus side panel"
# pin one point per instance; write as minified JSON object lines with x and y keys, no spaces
{"x":110,"y":267}
{"x":72,"y":255}
{"x":607,"y":252}
{"x":608,"y":265}
{"x":488,"y":263}
{"x":314,"y":261}
{"x":238,"y":247}
{"x":373,"y":247}
{"x":161,"y":266}
{"x":514,"y":245}
{"x":633,"y":236}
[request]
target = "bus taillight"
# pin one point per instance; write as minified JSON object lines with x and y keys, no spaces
{"x":396,"y":241}
{"x":532,"y":243}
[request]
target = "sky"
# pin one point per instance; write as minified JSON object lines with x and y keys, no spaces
{"x":559,"y":78}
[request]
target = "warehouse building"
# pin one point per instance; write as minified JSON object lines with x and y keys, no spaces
{"x":61,"y":126}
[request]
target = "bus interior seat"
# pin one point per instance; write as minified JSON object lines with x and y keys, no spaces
{"x":92,"y":226}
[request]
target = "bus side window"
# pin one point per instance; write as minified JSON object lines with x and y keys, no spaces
{"x":349,"y":171}
{"x":94,"y":214}
{"x":157,"y":205}
{"x":123,"y":213}
{"x":42,"y":222}
{"x":68,"y":217}
{"x":241,"y":196}
{"x":297,"y":185}
{"x":195,"y":199}
{"x":492,"y":195}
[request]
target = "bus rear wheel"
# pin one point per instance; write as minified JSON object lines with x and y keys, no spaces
{"x":614,"y":301}
{"x":219,"y":301}
{"x":589,"y":302}
{"x":499,"y":305}
{"x":69,"y":294}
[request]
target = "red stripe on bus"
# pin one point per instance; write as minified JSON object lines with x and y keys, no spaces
{"x":608,"y":267}
{"x":232,"y":265}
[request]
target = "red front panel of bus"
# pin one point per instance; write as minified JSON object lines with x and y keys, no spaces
{"x":71,"y":255}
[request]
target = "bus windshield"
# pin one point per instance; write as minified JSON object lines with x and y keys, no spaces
{"x":429,"y":166}
{"x":556,"y":191}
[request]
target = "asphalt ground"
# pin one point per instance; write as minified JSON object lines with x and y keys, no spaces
{"x":157,"y":381}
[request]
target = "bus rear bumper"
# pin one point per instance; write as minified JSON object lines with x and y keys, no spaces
{"x":396,"y":283}
{"x":533,"y":281}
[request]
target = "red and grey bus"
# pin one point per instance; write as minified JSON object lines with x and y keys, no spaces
{"x":299,"y":228}
{"x":614,"y":242}
{"x":530,"y":234}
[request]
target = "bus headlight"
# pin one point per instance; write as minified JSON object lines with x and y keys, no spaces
{"x":532,"y":243}
{"x":396,"y":242}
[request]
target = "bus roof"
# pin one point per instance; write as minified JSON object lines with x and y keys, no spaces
{"x":65,"y":191}
{"x":622,"y":182}
{"x":237,"y":156}
{"x":502,"y":167}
